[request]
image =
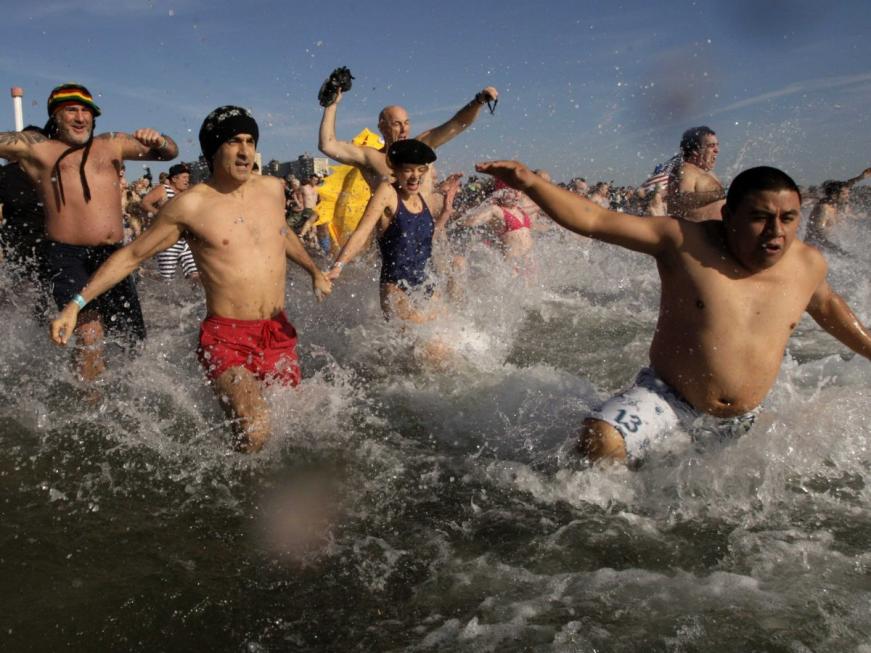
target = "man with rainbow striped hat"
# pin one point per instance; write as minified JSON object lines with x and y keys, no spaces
{"x":77,"y":176}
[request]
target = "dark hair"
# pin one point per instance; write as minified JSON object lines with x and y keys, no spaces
{"x":691,"y":141}
{"x":832,"y":188}
{"x":754,"y":180}
{"x":410,"y":151}
{"x":178,"y":169}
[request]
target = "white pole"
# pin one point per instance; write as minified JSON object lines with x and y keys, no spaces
{"x":17,"y":95}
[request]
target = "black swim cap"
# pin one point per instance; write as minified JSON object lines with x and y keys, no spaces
{"x":221,"y":125}
{"x":178,"y":169}
{"x":410,"y":151}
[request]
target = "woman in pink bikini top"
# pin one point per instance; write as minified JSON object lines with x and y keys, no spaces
{"x":512,"y":224}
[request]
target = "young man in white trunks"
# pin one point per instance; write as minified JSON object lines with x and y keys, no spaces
{"x":732,"y":293}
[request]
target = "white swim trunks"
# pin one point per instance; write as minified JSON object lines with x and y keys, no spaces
{"x":651,"y":409}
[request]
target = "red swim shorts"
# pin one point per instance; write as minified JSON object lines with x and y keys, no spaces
{"x":266,"y":348}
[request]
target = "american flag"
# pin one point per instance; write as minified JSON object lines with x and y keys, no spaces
{"x":661,"y":173}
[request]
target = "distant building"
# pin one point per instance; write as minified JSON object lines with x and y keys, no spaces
{"x":307,"y":165}
{"x":277,"y":169}
{"x":304,"y":166}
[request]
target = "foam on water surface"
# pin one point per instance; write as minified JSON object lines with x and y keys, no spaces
{"x":401,"y":507}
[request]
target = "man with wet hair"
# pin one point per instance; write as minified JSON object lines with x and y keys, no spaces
{"x":732,"y":292}
{"x":77,"y":177}
{"x":394,"y":125}
{"x":241,"y":244}
{"x":694,"y":192}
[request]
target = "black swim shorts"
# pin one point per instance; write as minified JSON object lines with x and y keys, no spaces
{"x":68,"y":268}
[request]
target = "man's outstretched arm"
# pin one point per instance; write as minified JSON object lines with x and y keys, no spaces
{"x":15,"y":146}
{"x":341,"y":151}
{"x":832,"y":313}
{"x":144,"y":145}
{"x":438,"y":136}
{"x":648,"y":235}
{"x":862,"y":175}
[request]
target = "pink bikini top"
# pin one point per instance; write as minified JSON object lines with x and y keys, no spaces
{"x":512,"y":223}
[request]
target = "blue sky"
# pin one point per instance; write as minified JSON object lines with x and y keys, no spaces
{"x":598,"y":89}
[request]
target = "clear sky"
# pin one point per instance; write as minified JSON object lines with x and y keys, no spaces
{"x":597,"y":89}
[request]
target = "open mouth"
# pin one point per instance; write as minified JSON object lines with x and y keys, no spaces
{"x":772,"y":248}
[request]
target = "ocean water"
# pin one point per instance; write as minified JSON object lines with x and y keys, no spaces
{"x":405,"y":508}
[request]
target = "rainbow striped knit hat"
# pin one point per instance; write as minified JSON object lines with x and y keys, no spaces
{"x":71,"y":93}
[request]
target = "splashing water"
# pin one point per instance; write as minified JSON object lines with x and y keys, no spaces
{"x":404,"y":508}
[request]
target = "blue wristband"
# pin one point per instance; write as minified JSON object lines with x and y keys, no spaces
{"x":80,"y":301}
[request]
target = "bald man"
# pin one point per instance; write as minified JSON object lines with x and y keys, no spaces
{"x":394,"y":125}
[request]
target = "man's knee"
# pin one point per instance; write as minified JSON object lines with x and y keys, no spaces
{"x":89,"y":332}
{"x":240,"y":393}
{"x":601,"y":441}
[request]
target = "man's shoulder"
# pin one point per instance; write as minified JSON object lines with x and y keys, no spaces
{"x":192,"y":199}
{"x":157,"y":191}
{"x":110,"y":136}
{"x":687,"y":170}
{"x":268,"y":181}
{"x":706,"y":235}
{"x":111,"y":139}
{"x":809,"y":256}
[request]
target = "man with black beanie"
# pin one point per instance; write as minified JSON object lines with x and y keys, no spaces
{"x":241,"y":244}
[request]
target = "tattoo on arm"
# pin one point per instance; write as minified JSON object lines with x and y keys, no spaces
{"x":14,"y":138}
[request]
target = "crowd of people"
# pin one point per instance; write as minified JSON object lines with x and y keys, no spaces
{"x":735,"y":276}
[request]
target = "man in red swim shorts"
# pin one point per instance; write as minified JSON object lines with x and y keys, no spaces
{"x":266,"y":348}
{"x":241,"y":244}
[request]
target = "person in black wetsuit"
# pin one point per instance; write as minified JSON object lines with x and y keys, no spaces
{"x":403,"y":213}
{"x":22,"y":228}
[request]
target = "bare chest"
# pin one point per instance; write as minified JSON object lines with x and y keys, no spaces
{"x":251,"y":229}
{"x":709,"y":295}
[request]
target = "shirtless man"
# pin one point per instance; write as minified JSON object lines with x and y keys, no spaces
{"x":694,"y":192}
{"x":309,"y":192}
{"x":831,"y":209}
{"x":294,"y":204}
{"x":240,"y":241}
{"x":394,"y":125}
{"x":178,"y":180}
{"x":732,"y":292}
{"x":77,"y":177}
